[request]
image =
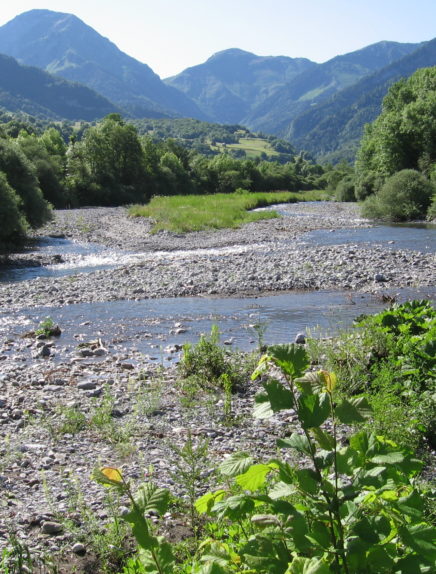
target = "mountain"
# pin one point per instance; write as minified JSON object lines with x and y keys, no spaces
{"x":38,"y":93}
{"x":334,"y":127}
{"x":230,"y":83}
{"x":65,"y":46}
{"x":321,"y":82}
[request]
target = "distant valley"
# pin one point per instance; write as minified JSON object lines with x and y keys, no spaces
{"x":321,"y":108}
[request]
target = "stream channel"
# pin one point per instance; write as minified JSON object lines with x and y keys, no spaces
{"x":155,"y":327}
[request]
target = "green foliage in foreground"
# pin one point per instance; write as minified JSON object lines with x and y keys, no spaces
{"x":197,"y":212}
{"x":391,"y":356}
{"x":350,"y":507}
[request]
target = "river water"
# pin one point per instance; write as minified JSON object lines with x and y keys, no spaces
{"x":153,"y":326}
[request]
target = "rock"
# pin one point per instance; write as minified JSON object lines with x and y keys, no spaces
{"x":300,"y":339}
{"x":379,"y":278}
{"x":79,"y":549}
{"x":50,"y":527}
{"x":87,"y":385}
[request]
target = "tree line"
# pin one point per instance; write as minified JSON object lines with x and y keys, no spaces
{"x":110,"y":163}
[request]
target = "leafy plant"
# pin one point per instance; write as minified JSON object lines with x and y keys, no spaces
{"x":155,"y":555}
{"x":47,"y":328}
{"x":352,"y":507}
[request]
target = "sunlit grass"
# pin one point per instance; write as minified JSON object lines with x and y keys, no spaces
{"x":183,"y":213}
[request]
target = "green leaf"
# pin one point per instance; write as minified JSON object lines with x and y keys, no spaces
{"x":297,"y":441}
{"x":389,"y":458}
{"x":359,"y":442}
{"x":312,"y":383}
{"x":205,"y":503}
{"x":353,"y":410}
{"x":378,"y":559}
{"x":412,"y":505}
{"x":292,"y":359}
{"x":324,"y":439}
{"x":236,"y":464}
{"x":300,"y":565}
{"x":280,"y":397}
{"x":234,"y":507}
{"x":254,"y":477}
{"x":150,"y":498}
{"x":307,"y":480}
{"x":281,"y":490}
{"x":162,"y":559}
{"x":346,"y":460}
{"x":313,"y":410}
{"x":420,"y":537}
{"x":320,"y":535}
{"x":262,"y":408}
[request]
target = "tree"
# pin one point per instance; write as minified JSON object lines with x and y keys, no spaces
{"x":107,"y":167}
{"x":21,"y":176}
{"x":404,"y":134}
{"x":13,"y":225}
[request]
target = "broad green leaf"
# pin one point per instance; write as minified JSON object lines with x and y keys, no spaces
{"x":420,"y":537}
{"x":234,"y":507}
{"x":359,"y":442}
{"x":323,"y":438}
{"x":300,"y":565}
{"x":281,"y":490}
{"x":378,"y":559}
{"x":236,"y":464}
{"x":350,"y":411}
{"x":319,"y":534}
{"x":307,"y":480}
{"x":254,"y":478}
{"x":280,"y":397}
{"x":313,"y":410}
{"x":205,"y":503}
{"x":297,"y":441}
{"x":330,"y":380}
{"x":390,"y":458}
{"x":162,"y":559}
{"x":311,"y":384}
{"x":346,"y":459}
{"x":292,"y":359}
{"x":411,"y":505}
{"x":262,"y":408}
{"x":150,"y":498}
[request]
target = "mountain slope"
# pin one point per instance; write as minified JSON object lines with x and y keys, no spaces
{"x":64,"y":45}
{"x":33,"y":91}
{"x":320,"y":83}
{"x":231,"y":82}
{"x":337,"y":124}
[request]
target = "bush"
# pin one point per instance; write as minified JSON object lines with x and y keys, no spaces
{"x":12,"y":223}
{"x":404,"y":196}
{"x":345,"y":189}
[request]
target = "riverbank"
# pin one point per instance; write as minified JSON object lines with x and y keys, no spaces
{"x":262,"y":257}
{"x":65,"y":408}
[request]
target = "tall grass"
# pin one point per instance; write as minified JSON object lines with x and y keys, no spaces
{"x":183,"y":213}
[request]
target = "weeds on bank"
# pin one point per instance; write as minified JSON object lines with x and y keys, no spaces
{"x":391,"y":356}
{"x":350,"y":506}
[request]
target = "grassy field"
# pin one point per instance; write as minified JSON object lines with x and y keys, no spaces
{"x":183,"y":213}
{"x":253,"y":147}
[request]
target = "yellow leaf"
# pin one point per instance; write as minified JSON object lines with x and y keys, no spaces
{"x":112,"y":474}
{"x":329,"y":380}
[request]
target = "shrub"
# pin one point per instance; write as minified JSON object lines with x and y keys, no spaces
{"x":404,"y":196}
{"x":12,"y":222}
{"x":345,"y":189}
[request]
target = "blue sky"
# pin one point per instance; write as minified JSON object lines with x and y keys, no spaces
{"x":171,"y":35}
